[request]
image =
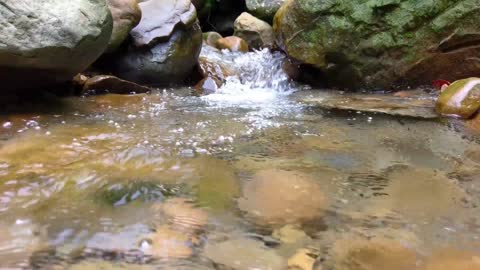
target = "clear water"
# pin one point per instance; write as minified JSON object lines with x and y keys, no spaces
{"x":241,"y":179}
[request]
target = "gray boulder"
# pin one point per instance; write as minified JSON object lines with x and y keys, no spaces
{"x":264,"y":9}
{"x":257,"y":33}
{"x":165,"y":45}
{"x":49,"y":41}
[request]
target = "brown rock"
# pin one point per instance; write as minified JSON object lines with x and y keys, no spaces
{"x":377,"y":253}
{"x":234,"y":44}
{"x":112,"y":84}
{"x":183,"y":215}
{"x":208,"y":68}
{"x":167,"y":243}
{"x":211,"y":38}
{"x":303,"y":259}
{"x":126,"y":15}
{"x":276,"y":197}
{"x":257,"y":33}
{"x":453,"y":260}
{"x":206,"y":86}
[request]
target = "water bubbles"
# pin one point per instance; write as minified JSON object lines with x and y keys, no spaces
{"x":7,"y":125}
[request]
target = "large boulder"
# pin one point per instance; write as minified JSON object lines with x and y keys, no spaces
{"x":49,"y":41}
{"x":379,"y":43}
{"x":257,"y":33}
{"x":165,"y":44}
{"x":126,"y":15}
{"x":264,"y":9}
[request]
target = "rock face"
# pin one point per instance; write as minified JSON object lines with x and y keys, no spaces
{"x":47,"y":42}
{"x":255,"y":32}
{"x":126,"y":15}
{"x":382,"y":43}
{"x":461,"y":98}
{"x":264,"y":9}
{"x":166,"y":43}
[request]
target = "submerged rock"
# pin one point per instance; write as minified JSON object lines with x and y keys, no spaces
{"x":167,"y":243}
{"x":243,"y":254}
{"x":126,"y":15}
{"x":264,"y":9}
{"x":303,"y":259}
{"x":257,"y":33}
{"x":354,"y":253}
{"x":48,"y":42}
{"x":112,"y":84}
{"x":166,"y":44}
{"x":461,"y":98}
{"x":382,"y":43}
{"x":277,"y":197}
{"x":234,"y":44}
{"x":453,"y":259}
{"x":183,"y":215}
{"x":421,"y":106}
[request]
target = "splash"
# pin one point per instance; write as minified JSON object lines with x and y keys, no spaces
{"x":258,"y":80}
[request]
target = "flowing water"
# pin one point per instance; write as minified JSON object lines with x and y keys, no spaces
{"x":242,"y":179}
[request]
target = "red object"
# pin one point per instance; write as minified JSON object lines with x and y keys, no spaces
{"x":439,"y":83}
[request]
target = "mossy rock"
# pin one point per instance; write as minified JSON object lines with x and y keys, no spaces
{"x":461,"y":98}
{"x":382,"y":43}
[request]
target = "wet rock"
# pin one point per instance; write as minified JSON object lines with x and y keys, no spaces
{"x":303,"y":259}
{"x":48,"y":42}
{"x":290,"y":234}
{"x":183,"y":215}
{"x":112,"y":84}
{"x":257,"y":33}
{"x":207,"y":86}
{"x":214,"y":69}
{"x":453,"y":259}
{"x":420,"y":106}
{"x":354,"y":253}
{"x":167,"y":243}
{"x":243,"y":254}
{"x":264,"y":9}
{"x":79,"y":81}
{"x":400,"y":42}
{"x":211,"y":38}
{"x":461,"y":98}
{"x":282,"y":197}
{"x":126,"y":15}
{"x":234,"y":44}
{"x":165,"y":45}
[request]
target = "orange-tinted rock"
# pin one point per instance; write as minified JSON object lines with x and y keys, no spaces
{"x":207,"y":68}
{"x":275,"y":197}
{"x":112,"y":84}
{"x":453,"y":260}
{"x":234,"y":44}
{"x":211,"y":38}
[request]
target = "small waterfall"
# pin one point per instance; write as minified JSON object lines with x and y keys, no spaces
{"x":258,"y":79}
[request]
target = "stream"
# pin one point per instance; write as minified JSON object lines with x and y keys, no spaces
{"x":240,"y":179}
